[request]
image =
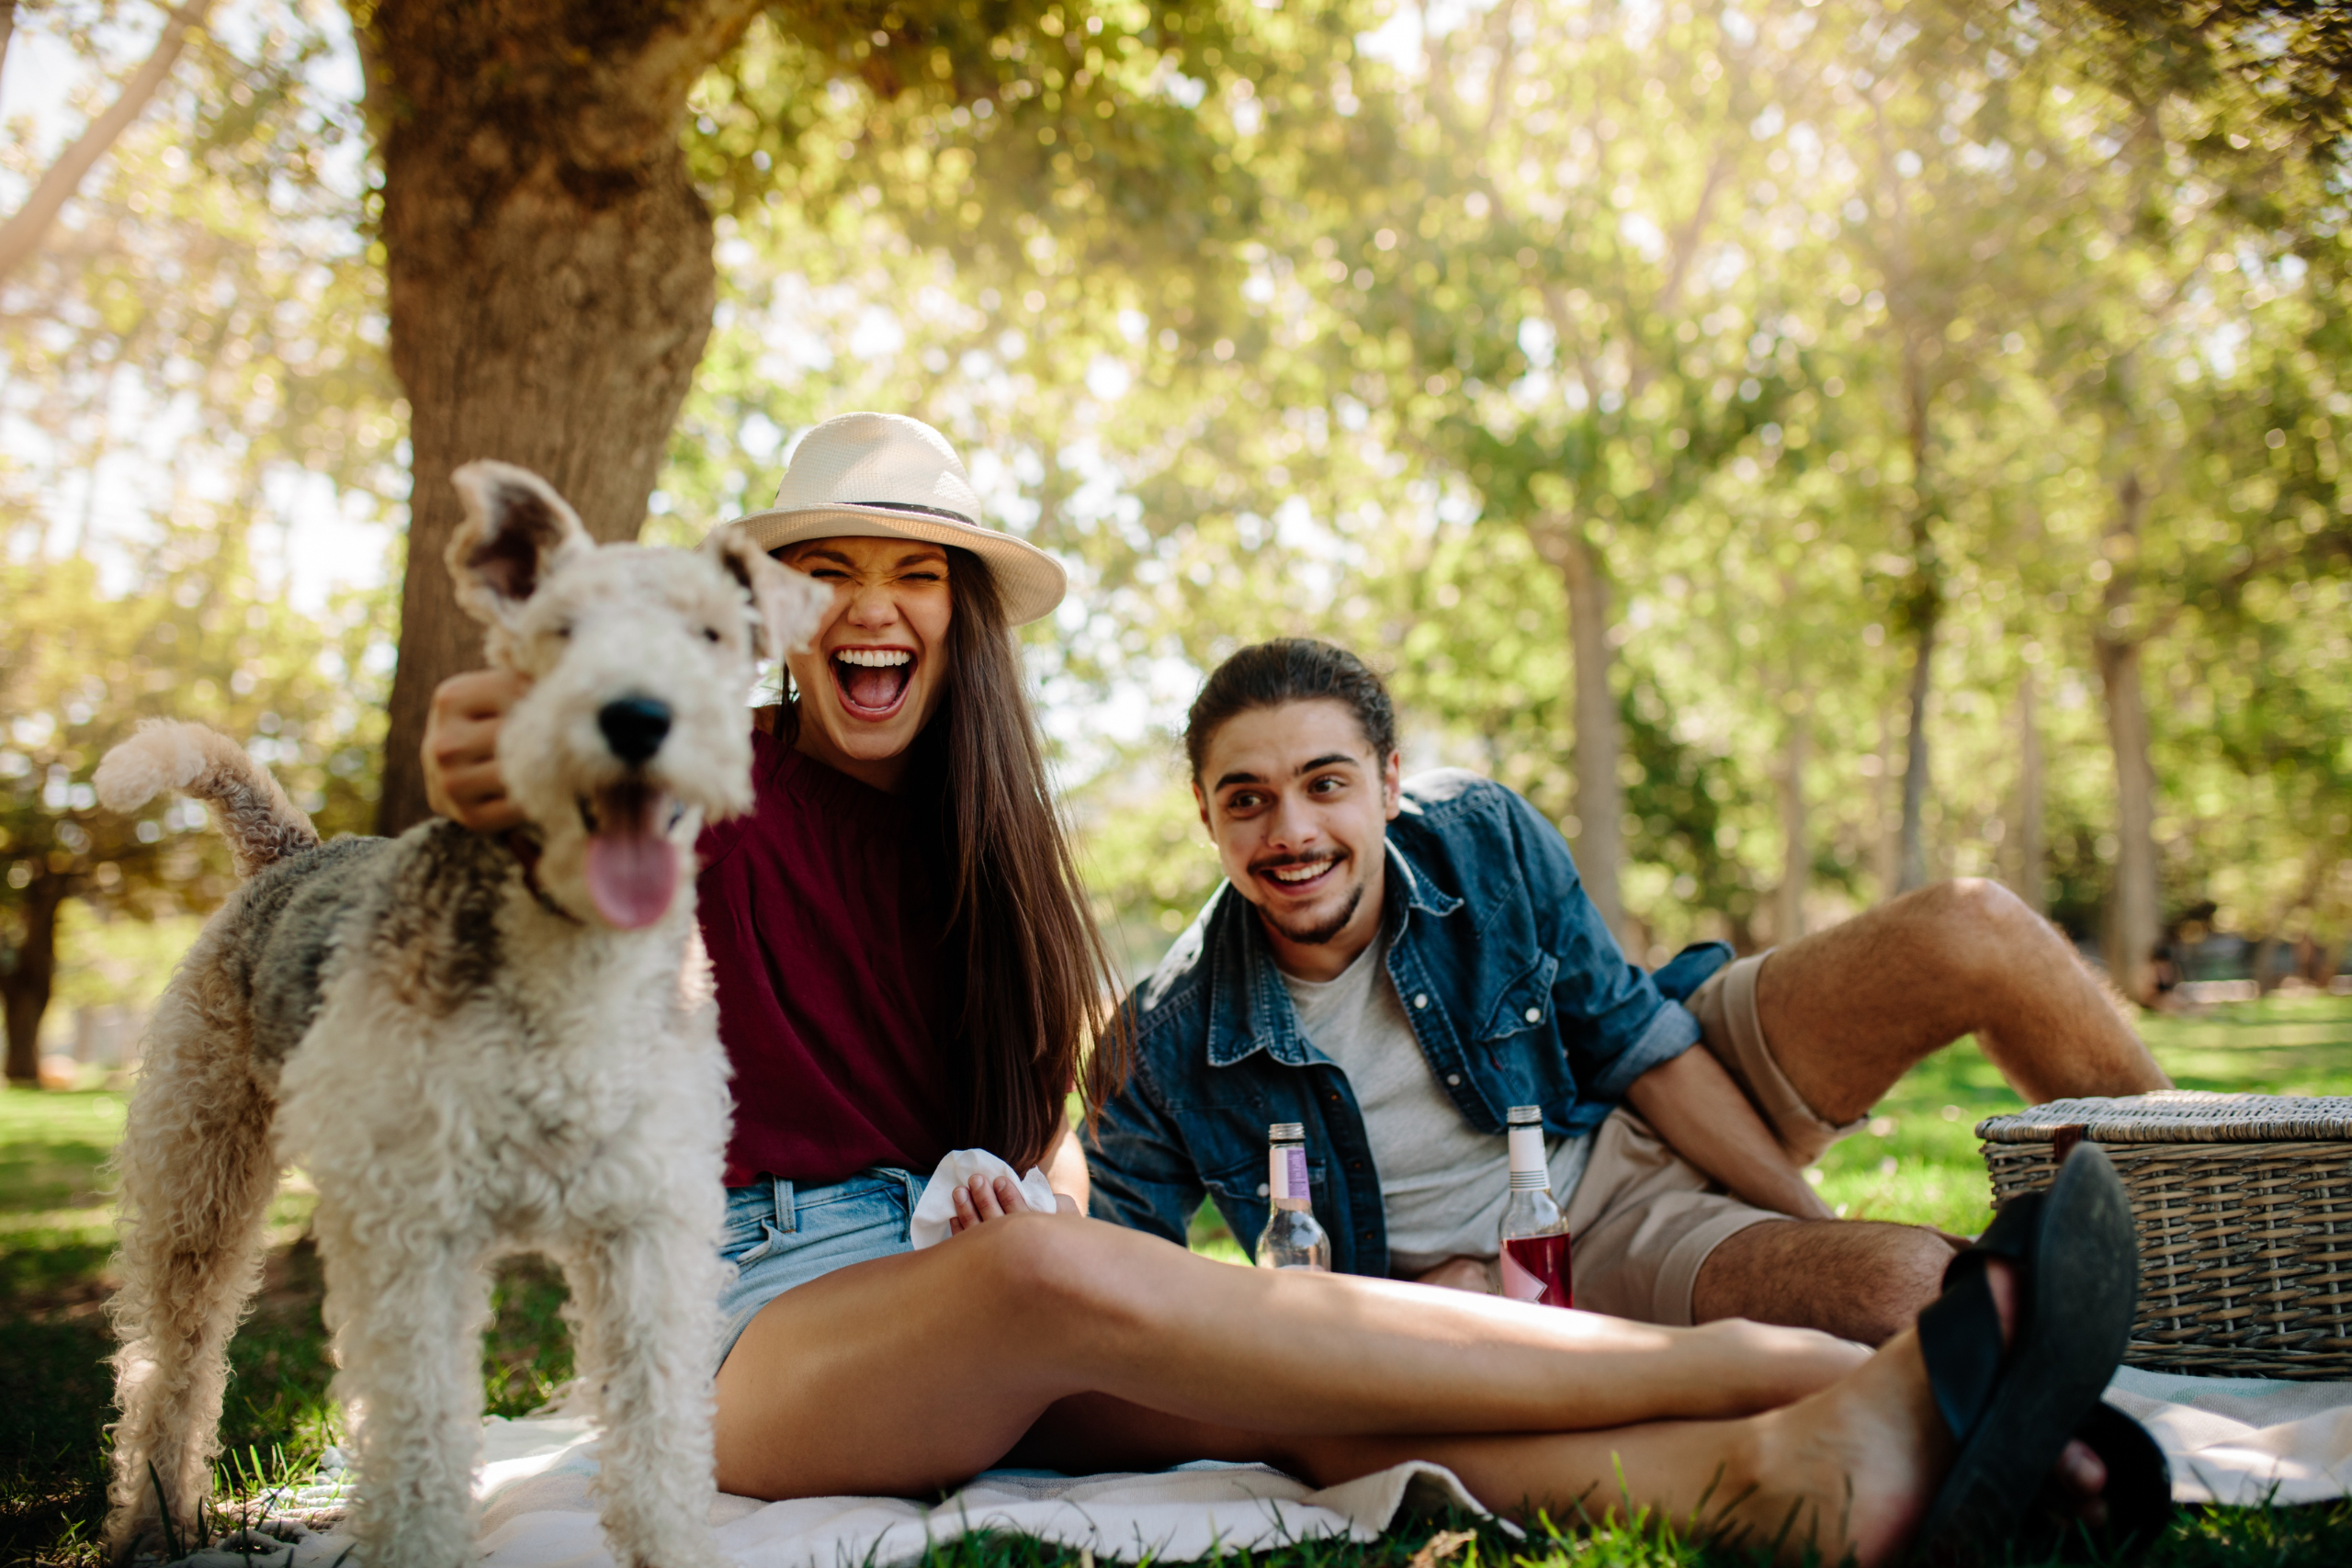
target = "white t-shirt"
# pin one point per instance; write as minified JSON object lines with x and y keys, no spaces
{"x":1442,"y":1181}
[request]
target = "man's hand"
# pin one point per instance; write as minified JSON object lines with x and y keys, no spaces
{"x":1697,"y":1108}
{"x":461,"y":777}
{"x":1459,"y":1274}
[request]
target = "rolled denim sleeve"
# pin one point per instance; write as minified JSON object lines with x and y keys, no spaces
{"x":1142,"y":1172}
{"x":1613,"y":1020}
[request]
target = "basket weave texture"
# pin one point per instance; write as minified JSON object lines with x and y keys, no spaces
{"x":2243,"y":1207}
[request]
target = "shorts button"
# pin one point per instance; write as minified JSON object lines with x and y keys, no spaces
{"x":1421,"y":998}
{"x":1534,"y":1015}
{"x":1452,"y":1080}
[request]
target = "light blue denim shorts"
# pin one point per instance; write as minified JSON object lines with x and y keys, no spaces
{"x":779,"y":1234}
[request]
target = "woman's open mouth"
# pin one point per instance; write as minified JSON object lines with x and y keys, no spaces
{"x":873,"y":681}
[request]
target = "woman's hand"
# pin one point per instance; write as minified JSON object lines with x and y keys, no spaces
{"x":461,"y":777}
{"x":982,"y":1200}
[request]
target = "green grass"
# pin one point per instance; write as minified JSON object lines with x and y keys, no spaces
{"x":1917,"y":1162}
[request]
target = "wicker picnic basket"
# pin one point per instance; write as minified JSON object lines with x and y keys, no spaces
{"x":2243,"y":1206}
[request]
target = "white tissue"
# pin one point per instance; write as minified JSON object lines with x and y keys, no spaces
{"x":937,"y":1206}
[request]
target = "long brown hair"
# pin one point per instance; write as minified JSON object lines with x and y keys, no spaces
{"x":1038,"y":980}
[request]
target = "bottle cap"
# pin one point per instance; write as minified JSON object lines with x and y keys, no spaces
{"x":1283,"y":1132}
{"x":1525,"y":1116}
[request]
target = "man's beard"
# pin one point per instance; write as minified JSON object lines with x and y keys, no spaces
{"x":1322,"y":930}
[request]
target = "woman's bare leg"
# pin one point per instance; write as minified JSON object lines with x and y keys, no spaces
{"x":913,"y":1372}
{"x":1852,"y":1467}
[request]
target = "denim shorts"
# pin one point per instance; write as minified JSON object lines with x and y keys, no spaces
{"x":779,"y":1235}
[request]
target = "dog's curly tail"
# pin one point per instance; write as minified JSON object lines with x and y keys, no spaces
{"x":252,"y":812}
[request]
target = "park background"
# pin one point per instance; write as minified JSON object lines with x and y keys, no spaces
{"x":1809,"y":449}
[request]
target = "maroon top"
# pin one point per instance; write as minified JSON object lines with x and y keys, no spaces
{"x":826,"y":920}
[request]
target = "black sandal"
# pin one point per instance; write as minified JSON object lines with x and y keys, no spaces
{"x":2012,"y":1411}
{"x":2138,"y":1496}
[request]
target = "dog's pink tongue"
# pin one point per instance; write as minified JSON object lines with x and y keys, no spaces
{"x":632,"y":876}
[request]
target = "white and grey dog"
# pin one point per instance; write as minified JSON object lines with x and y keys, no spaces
{"x":472,"y":1044}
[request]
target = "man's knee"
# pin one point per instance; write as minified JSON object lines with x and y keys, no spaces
{"x":1982,"y":932}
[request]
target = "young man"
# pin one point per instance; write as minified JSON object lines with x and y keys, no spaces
{"x":1395,"y":964}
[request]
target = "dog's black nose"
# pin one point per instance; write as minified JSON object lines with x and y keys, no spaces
{"x":634,"y":726}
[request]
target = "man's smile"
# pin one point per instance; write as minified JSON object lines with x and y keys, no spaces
{"x":1296,"y":877}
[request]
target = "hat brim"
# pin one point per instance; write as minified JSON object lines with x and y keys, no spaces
{"x":1030,"y":581}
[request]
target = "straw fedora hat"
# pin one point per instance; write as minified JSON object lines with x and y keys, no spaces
{"x":886,"y":476}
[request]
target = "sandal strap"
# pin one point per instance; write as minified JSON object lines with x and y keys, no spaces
{"x":1960,"y":1331}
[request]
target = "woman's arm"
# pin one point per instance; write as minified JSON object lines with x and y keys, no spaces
{"x":461,"y":777}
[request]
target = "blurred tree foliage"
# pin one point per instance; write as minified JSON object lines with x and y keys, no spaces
{"x":195,"y":636}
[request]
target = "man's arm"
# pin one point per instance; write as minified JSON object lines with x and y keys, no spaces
{"x":1696,"y":1108}
{"x":1140,"y":1172}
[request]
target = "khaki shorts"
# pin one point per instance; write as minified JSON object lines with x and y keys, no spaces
{"x":1644,"y":1219}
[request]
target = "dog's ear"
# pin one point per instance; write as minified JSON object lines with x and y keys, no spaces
{"x":790,"y":605}
{"x":516,"y":528}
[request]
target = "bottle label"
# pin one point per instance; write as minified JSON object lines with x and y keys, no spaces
{"x":1287,"y":1173}
{"x":1535,"y":1268}
{"x":1528,"y":1169}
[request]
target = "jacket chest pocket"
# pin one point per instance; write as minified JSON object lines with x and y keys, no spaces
{"x":1523,"y":1003}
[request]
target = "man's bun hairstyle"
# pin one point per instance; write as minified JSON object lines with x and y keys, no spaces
{"x":1290,"y":669}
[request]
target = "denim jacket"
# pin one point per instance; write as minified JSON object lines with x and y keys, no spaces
{"x":1516,"y":991}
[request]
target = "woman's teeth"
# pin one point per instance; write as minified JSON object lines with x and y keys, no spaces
{"x":876,"y":658}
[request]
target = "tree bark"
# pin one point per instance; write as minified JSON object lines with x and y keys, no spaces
{"x":549,"y":269}
{"x":2033,"y":856}
{"x":1883,"y":841}
{"x":2135,"y":915}
{"x":1796,"y":850}
{"x":25,"y":983}
{"x":1600,"y":797}
{"x":21,"y":235}
{"x":7,"y":30}
{"x":1911,"y":856}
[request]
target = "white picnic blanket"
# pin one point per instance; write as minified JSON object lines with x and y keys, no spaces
{"x":538,"y":1512}
{"x":2240,"y":1441}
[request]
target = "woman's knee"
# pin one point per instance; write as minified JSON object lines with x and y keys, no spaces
{"x":1053,"y":1266}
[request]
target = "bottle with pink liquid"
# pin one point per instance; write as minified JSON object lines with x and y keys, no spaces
{"x":1535,"y":1236}
{"x":1293,"y":1238}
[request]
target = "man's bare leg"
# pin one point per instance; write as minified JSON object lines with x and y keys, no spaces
{"x":1856,"y":1278}
{"x":1850,"y":1010}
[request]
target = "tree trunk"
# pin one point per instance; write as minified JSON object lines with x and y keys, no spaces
{"x":2033,"y":857}
{"x":1796,"y":850}
{"x":550,"y":275}
{"x":1882,"y":837}
{"x":21,"y":235}
{"x":1911,"y":857}
{"x":25,"y":983}
{"x":1600,"y":796}
{"x":2135,"y":915}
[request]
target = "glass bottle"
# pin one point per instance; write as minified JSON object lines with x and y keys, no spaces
{"x":1535,"y":1236}
{"x":1291,"y":1239}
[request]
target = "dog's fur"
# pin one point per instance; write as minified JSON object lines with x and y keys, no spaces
{"x":464,"y":1055}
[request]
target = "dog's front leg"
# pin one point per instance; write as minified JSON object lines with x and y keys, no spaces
{"x":645,"y":1299}
{"x":408,"y":1302}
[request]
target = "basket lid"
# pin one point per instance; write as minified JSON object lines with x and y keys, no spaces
{"x":2179,"y":1116}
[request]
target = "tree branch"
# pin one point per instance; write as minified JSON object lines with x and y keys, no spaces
{"x":21,"y":235}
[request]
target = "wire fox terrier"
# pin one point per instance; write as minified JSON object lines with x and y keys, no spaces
{"x":473,"y":1044}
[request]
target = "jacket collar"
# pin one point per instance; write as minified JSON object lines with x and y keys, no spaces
{"x":1249,"y":1009}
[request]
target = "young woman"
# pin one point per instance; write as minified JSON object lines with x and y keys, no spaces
{"x":905,"y":965}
